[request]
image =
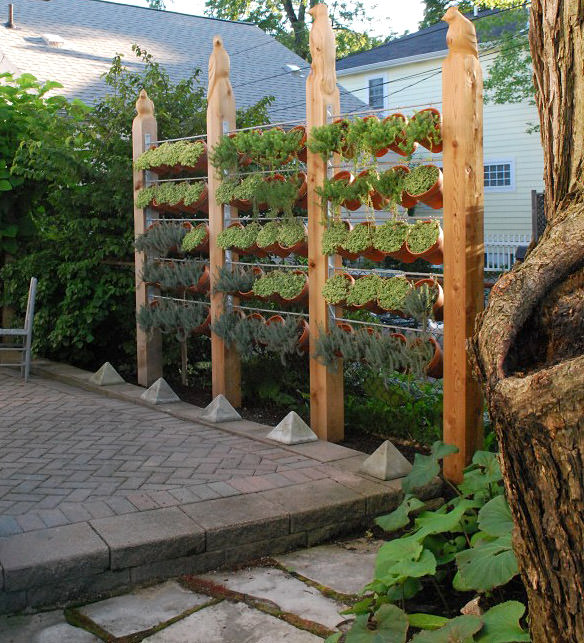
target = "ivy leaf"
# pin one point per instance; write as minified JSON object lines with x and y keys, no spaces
{"x":495,"y":517}
{"x":391,"y":624}
{"x":501,"y":624}
{"x":459,"y":630}
{"x":427,"y":621}
{"x":426,"y":467}
{"x":488,"y":565}
{"x":399,"y":517}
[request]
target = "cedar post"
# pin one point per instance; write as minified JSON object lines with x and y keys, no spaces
{"x":322,"y":100}
{"x":226,"y":373}
{"x":462,"y":97}
{"x":148,"y":346}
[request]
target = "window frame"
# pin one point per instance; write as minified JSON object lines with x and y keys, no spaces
{"x":383,"y":78}
{"x":501,"y":188}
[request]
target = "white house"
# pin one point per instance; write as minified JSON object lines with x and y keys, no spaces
{"x":407,"y":72}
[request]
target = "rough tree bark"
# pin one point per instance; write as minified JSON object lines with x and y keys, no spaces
{"x":529,"y":346}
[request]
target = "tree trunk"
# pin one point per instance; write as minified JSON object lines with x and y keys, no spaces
{"x":529,"y":346}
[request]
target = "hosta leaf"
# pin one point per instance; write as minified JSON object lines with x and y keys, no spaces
{"x":427,"y":621}
{"x":495,"y":517}
{"x":488,"y":565}
{"x":391,"y":626}
{"x":399,"y":517}
{"x":459,"y":630}
{"x":483,"y":472}
{"x":501,"y":624}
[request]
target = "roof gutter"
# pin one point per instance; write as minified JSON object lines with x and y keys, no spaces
{"x":396,"y":62}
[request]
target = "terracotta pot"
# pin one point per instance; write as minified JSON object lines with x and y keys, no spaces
{"x":394,"y":147}
{"x":302,"y":198}
{"x":200,"y":205}
{"x":304,"y":338}
{"x":346,"y":151}
{"x":345,"y":326}
{"x":275,"y":319}
{"x":407,"y":200}
{"x":378,"y":201}
{"x":204,"y":245}
{"x":428,"y":143}
{"x":435,"y":366}
{"x":258,"y":272}
{"x":301,"y":154}
{"x":370,"y":252}
{"x":302,"y":295}
{"x":205,"y":327}
{"x":433,"y":254}
{"x":299,"y":248}
{"x":252,"y":250}
{"x":349,"y":277}
{"x":432,"y":197}
{"x":203,"y":282}
{"x":202,"y":163}
{"x":346,"y":177}
{"x":438,"y":305}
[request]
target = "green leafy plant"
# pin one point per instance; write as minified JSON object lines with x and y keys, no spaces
{"x":390,"y":236}
{"x":287,"y":284}
{"x":392,"y":293}
{"x":327,"y":139}
{"x":238,"y":237}
{"x":233,"y":279}
{"x":268,"y":235}
{"x":390,"y":184}
{"x":364,"y":290}
{"x":279,"y":194}
{"x":291,"y":231}
{"x":360,"y":238}
{"x":336,"y":289}
{"x":224,"y":156}
{"x":334,"y":236}
{"x":245,"y":190}
{"x":185,"y":153}
{"x":194,"y":238}
{"x":172,"y":317}
{"x":421,"y":179}
{"x":424,"y":127}
{"x":179,"y":274}
{"x":423,"y":235}
{"x":160,"y":238}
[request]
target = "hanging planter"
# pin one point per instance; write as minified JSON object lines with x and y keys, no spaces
{"x":203,"y":283}
{"x":364,"y":293}
{"x":174,"y":158}
{"x":249,"y":294}
{"x":400,"y":145}
{"x":205,"y":327}
{"x":344,"y":179}
{"x":435,"y":367}
{"x":267,"y":239}
{"x":302,"y":196}
{"x":424,"y":183}
{"x":240,"y":238}
{"x":334,"y":236}
{"x":426,"y":240}
{"x":301,"y":153}
{"x":360,"y":241}
{"x":405,"y":199}
{"x":304,"y":336}
{"x":196,"y":238}
{"x":427,"y":127}
{"x":392,"y":294}
{"x":374,"y":197}
{"x":337,"y":288}
{"x":437,"y":298}
{"x":282,"y":286}
{"x":293,"y":238}
{"x":390,"y":239}
{"x":296,"y":290}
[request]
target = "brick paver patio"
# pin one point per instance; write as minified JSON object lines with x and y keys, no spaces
{"x":69,"y":455}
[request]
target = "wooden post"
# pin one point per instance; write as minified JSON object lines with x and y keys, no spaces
{"x":226,"y":373}
{"x":149,"y":346}
{"x":322,"y":100}
{"x":462,"y":98}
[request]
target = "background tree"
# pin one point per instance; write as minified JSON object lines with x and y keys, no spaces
{"x":529,"y":346}
{"x":286,"y":21}
{"x":82,"y":249}
{"x":435,"y":9}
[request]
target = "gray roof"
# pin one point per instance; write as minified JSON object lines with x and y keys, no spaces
{"x":94,"y":31}
{"x":425,"y":41}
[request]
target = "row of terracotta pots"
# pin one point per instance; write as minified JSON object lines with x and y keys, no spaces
{"x":374,"y":306}
{"x":300,"y":298}
{"x":199,"y":167}
{"x":434,"y":254}
{"x":435,"y":366}
{"x":202,"y":286}
{"x":300,"y":154}
{"x":300,"y":248}
{"x":203,"y":329}
{"x":433,"y":197}
{"x":201,"y":205}
{"x":246,"y":205}
{"x":303,"y":331}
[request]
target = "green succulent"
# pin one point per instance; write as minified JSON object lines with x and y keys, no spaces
{"x":145,"y":197}
{"x":365,"y":289}
{"x":423,"y":235}
{"x":421,"y":179}
{"x":186,"y":153}
{"x":390,"y":184}
{"x":327,"y":139}
{"x":284,"y":283}
{"x":360,"y":238}
{"x":336,"y":289}
{"x":238,"y":237}
{"x":290,"y":232}
{"x":390,"y":236}
{"x":333,"y":237}
{"x":268,"y":234}
{"x":193,"y":238}
{"x":393,"y":292}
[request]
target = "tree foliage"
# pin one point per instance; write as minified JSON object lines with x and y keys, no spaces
{"x":82,"y":247}
{"x":286,"y":20}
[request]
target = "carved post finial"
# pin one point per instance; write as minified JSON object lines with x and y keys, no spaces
{"x":219,"y":68}
{"x":461,"y":37}
{"x":144,"y":106}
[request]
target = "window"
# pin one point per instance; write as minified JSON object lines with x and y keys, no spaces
{"x":376,"y":92}
{"x":499,"y":176}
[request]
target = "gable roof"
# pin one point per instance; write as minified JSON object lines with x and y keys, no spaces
{"x":431,"y":40}
{"x":94,"y":31}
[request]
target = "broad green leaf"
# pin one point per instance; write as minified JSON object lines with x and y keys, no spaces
{"x":440,"y":450}
{"x":426,"y":467}
{"x":5,"y":185}
{"x":488,"y":565}
{"x":361,"y":607}
{"x":495,"y":517}
{"x":482,"y":474}
{"x":459,"y":630}
{"x":394,"y":551}
{"x":439,"y":522}
{"x":501,"y":624}
{"x":424,"y":566}
{"x":333,"y":638}
{"x":399,"y":517}
{"x":404,"y":591}
{"x":391,"y":626}
{"x":427,"y":621}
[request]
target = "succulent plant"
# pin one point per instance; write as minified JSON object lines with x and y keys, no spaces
{"x":334,"y":236}
{"x":336,"y":289}
{"x":393,"y":292}
{"x":291,"y":232}
{"x":423,"y":235}
{"x":390,"y":236}
{"x":421,"y":179}
{"x":193,"y":238}
{"x":185,"y":153}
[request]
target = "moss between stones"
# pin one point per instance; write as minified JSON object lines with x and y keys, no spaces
{"x":423,"y":235}
{"x":393,"y":292}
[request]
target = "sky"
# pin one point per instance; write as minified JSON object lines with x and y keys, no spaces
{"x":401,"y":14}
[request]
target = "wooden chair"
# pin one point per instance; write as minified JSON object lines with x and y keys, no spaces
{"x":23,"y":336}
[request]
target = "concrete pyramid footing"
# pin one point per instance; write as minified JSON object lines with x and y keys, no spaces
{"x":220,"y":410}
{"x":106,"y":376}
{"x":292,"y":430}
{"x":386,"y":463}
{"x":160,"y":393}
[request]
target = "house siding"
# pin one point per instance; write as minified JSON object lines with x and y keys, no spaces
{"x":418,"y":84}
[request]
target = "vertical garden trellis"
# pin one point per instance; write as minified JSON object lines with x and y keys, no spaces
{"x":463,"y":229}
